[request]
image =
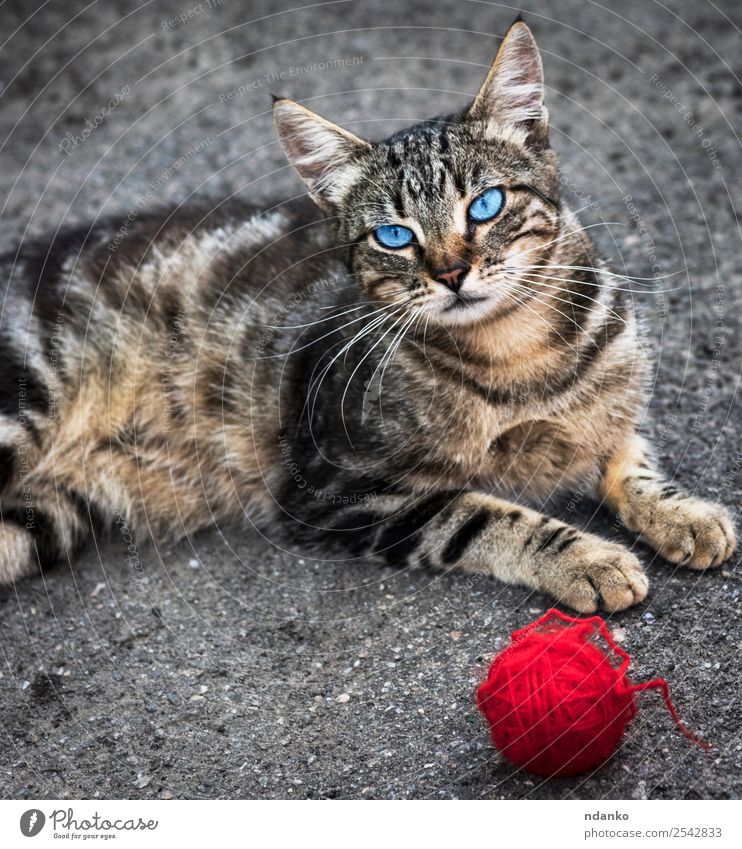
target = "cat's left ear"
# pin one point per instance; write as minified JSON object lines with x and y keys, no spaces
{"x":325,"y":155}
{"x":513,"y":92}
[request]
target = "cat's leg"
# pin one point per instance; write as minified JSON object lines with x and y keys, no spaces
{"x":27,"y":533}
{"x":683,"y":529}
{"x":40,"y":525}
{"x":17,"y":451}
{"x":477,"y":532}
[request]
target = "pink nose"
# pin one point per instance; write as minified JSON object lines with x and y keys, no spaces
{"x":452,"y":277}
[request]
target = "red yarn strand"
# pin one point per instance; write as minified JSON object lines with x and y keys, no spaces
{"x":662,"y":685}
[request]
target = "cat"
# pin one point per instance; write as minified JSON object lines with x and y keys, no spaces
{"x":370,"y":371}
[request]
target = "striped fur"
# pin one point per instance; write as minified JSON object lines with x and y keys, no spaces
{"x":202,"y":366}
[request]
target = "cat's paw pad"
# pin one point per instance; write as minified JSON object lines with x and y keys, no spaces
{"x":595,"y":573}
{"x":691,"y":532}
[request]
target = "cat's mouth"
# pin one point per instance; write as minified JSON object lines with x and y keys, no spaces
{"x":462,"y":301}
{"x":467,"y":306}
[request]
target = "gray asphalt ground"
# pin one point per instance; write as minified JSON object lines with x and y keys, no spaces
{"x":238,"y":671}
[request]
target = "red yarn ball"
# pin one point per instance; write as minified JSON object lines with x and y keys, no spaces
{"x":556,"y":702}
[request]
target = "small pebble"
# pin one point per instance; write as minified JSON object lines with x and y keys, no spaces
{"x":343,"y":698}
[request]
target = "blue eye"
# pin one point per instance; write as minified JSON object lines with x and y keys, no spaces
{"x":393,"y":236}
{"x":487,"y":205}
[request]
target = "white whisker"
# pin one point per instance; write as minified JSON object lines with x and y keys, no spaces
{"x":524,"y":272}
{"x":346,"y":345}
{"x":605,"y":271}
{"x":402,"y":318}
{"x":393,"y":348}
{"x":524,"y":303}
{"x":320,"y":338}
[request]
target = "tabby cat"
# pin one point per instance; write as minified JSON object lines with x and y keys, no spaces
{"x":375,"y":371}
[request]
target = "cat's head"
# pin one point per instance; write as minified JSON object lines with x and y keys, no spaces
{"x":439,"y":218}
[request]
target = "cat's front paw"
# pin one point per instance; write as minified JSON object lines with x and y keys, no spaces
{"x":692,"y":532}
{"x":594,"y":573}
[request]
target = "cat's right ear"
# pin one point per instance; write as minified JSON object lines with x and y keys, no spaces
{"x":325,"y":155}
{"x":512,"y":95}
